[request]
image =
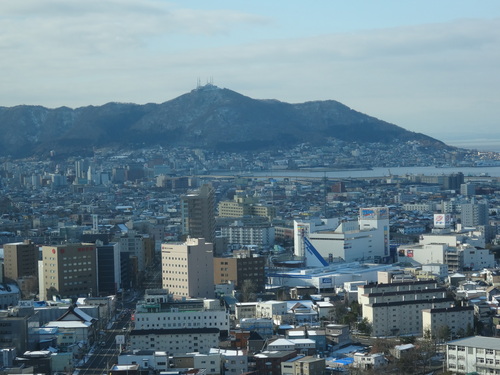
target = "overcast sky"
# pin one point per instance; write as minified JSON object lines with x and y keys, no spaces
{"x":428,"y":66}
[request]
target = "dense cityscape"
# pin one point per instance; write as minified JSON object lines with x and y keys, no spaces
{"x":186,"y":261}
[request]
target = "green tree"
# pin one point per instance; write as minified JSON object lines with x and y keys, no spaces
{"x":364,"y":326}
{"x":443,"y":333}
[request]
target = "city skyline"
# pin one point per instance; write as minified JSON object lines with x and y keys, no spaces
{"x":427,"y":67}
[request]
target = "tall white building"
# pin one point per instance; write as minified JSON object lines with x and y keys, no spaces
{"x":327,"y":241}
{"x":188,"y":268}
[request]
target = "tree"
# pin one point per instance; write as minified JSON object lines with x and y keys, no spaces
{"x":443,"y":333}
{"x":364,"y":326}
{"x":248,"y":290}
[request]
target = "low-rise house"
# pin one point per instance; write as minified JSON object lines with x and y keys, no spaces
{"x":146,"y":359}
{"x":210,"y":362}
{"x":303,"y":365}
{"x":366,"y":361}
{"x":303,"y":346}
{"x":317,"y":335}
{"x":337,"y":334}
{"x":269,"y":362}
{"x":233,"y":361}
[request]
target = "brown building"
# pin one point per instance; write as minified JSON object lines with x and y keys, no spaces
{"x":20,"y":259}
{"x":198,"y":213}
{"x":68,"y":270}
{"x":240,"y":267}
{"x":21,"y":266}
{"x":269,"y":362}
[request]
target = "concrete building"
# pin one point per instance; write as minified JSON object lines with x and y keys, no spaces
{"x":188,"y":268}
{"x":175,"y":341}
{"x":366,"y":361}
{"x":20,"y":260}
{"x":258,"y":235}
{"x":396,"y":308}
{"x":240,"y":267}
{"x":474,"y":214}
{"x":458,"y":320}
{"x":457,"y":250}
{"x":326,"y":241}
{"x":146,"y":359}
{"x":245,"y":206}
{"x":473,"y":355}
{"x":234,"y":361}
{"x":68,"y":270}
{"x":21,"y":265}
{"x":198,"y":213}
{"x":152,"y":313}
{"x":211,"y":362}
{"x":303,"y":365}
{"x":269,"y":362}
{"x":109,"y":274}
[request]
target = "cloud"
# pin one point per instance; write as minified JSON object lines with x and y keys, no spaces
{"x":59,"y":52}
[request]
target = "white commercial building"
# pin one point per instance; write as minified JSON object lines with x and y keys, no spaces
{"x":180,"y":315}
{"x":327,"y":241}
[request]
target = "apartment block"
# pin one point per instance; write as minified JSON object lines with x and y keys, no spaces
{"x":473,"y":355}
{"x":396,"y":308}
{"x":457,"y":319}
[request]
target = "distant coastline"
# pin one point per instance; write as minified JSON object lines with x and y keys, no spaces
{"x":477,"y":172}
{"x":480,"y":144}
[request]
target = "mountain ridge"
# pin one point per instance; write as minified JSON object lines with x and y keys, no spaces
{"x":207,"y":117}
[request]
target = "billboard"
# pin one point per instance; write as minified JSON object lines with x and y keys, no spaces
{"x":374,"y":213}
{"x":442,"y":220}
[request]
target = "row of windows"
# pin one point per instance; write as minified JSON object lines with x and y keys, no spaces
{"x":146,"y":319}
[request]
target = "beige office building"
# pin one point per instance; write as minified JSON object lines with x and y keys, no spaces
{"x":68,"y":270}
{"x":188,"y":269}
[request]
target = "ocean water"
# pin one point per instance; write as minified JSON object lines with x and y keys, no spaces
{"x":480,"y":144}
{"x":382,"y":172}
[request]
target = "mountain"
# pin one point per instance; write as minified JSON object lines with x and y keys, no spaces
{"x":208,"y":117}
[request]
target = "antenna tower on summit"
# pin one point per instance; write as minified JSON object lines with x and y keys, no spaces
{"x":198,"y":83}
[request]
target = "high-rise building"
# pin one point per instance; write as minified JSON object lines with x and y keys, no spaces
{"x":198,"y":213}
{"x":188,"y":269}
{"x":474,"y":214}
{"x":109,"y":267}
{"x":240,"y":267}
{"x":68,"y":270}
{"x":20,"y":260}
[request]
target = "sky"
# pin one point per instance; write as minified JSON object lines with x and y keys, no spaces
{"x":431,"y":67}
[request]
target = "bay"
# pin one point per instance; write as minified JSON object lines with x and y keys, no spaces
{"x":380,"y":172}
